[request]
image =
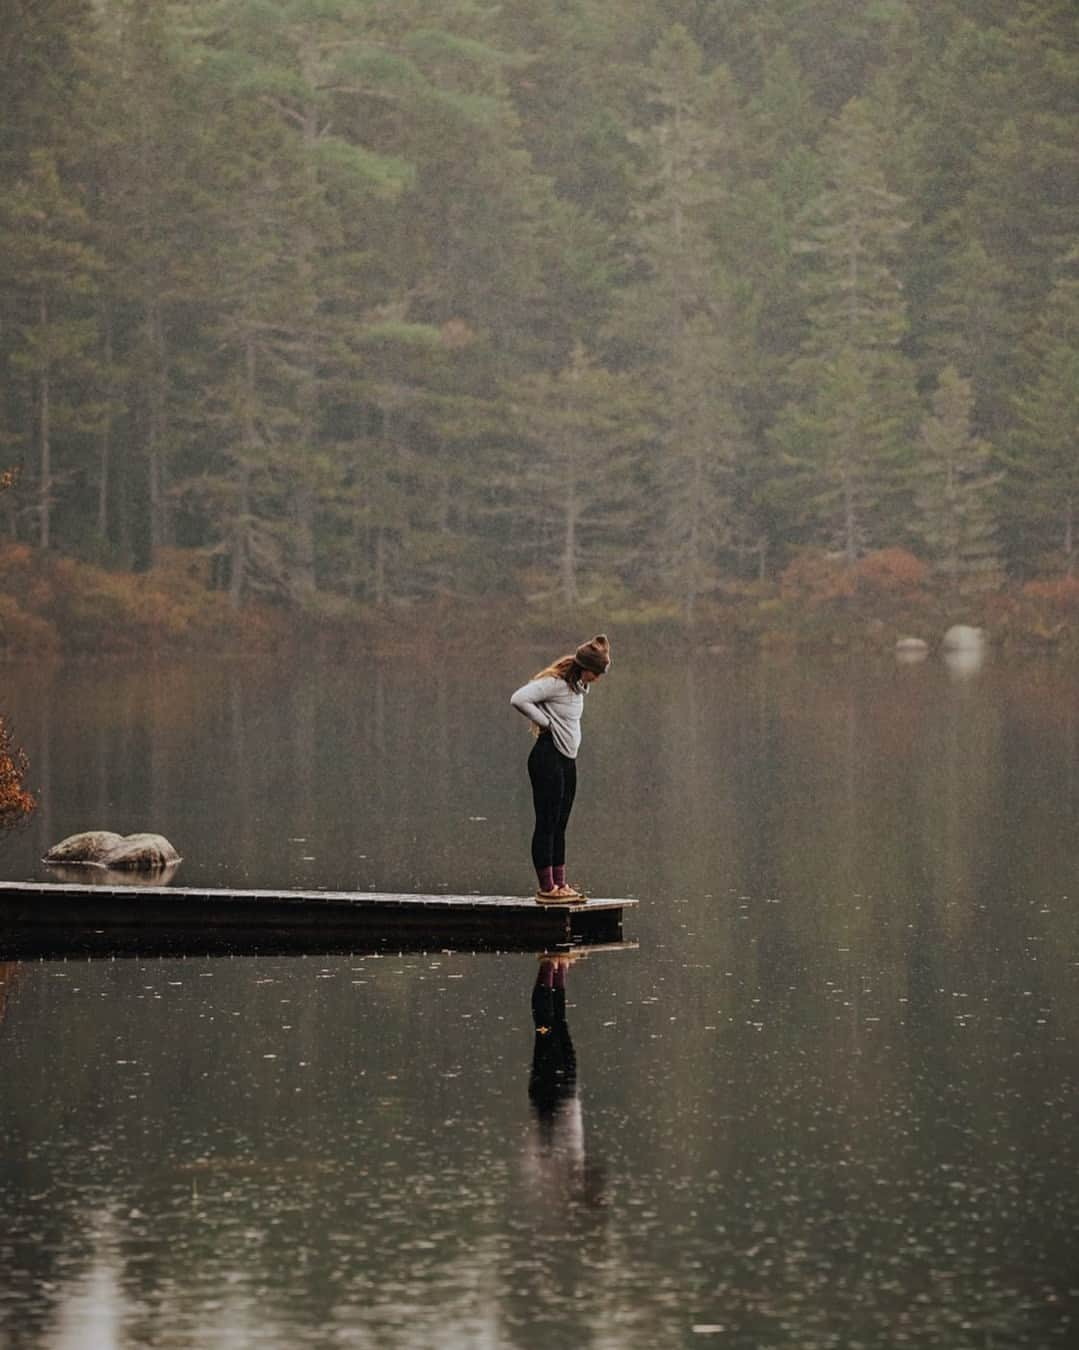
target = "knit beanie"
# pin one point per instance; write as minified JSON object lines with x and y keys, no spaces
{"x":594,"y":655}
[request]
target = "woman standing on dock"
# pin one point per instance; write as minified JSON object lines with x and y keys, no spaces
{"x":553,"y":702}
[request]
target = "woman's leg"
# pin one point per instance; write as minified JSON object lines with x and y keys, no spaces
{"x":545,"y":774}
{"x":569,"y":791}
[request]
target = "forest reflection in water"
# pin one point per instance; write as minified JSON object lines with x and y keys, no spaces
{"x":829,"y":1101}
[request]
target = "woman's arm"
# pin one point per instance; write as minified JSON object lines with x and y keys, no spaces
{"x":529,"y":698}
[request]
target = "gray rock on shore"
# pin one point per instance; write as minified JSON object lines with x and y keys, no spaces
{"x":102,"y":848}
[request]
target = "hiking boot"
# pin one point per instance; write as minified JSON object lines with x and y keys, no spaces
{"x":552,"y":897}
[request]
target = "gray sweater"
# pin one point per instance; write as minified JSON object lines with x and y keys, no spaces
{"x":551,"y":703}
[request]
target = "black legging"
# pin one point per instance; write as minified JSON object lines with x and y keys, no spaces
{"x":554,"y":784}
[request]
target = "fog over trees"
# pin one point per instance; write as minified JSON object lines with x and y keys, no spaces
{"x":377,"y":300}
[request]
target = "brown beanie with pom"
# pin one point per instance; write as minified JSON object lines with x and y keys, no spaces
{"x":594,"y":655}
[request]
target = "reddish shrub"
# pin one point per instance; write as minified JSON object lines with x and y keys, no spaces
{"x":817,"y":578}
{"x":890,"y":571}
{"x":15,"y":801}
{"x":21,"y":631}
{"x":1059,"y":593}
{"x":14,"y":555}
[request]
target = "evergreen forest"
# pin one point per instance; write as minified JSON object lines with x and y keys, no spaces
{"x":339,"y":307}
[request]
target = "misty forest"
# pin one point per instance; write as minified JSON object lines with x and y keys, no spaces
{"x":334,"y":305}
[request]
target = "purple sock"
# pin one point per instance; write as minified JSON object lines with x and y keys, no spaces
{"x":559,"y":874}
{"x":546,"y":879}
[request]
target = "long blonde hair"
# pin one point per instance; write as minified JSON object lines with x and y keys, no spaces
{"x":565,"y":668}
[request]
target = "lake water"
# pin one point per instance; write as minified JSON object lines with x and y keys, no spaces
{"x":828,"y":1101}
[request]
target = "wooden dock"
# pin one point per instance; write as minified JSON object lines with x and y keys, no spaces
{"x":39,"y":919}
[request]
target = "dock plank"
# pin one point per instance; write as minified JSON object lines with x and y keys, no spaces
{"x":38,"y":918}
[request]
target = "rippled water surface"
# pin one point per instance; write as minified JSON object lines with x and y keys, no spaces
{"x":828,"y":1100}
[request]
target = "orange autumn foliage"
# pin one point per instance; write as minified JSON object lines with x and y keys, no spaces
{"x":816,"y":578}
{"x":16,"y":803}
{"x":1056,"y":593}
{"x":890,"y":571}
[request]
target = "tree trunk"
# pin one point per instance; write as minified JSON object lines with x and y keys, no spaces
{"x":850,"y":522}
{"x":248,"y":445}
{"x":380,"y":566}
{"x":568,"y":559}
{"x":45,"y":437}
{"x":445,"y":571}
{"x":155,"y":433}
{"x":352,"y":583}
{"x":302,"y":580}
{"x":238,"y":559}
{"x":952,"y":526}
{"x":696,"y":542}
{"x":105,"y":452}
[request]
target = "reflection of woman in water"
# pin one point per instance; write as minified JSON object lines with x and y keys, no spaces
{"x":553,"y":702}
{"x":555,"y":1156}
{"x":8,"y":972}
{"x":553,"y":1081}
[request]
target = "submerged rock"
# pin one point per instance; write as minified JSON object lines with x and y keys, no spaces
{"x":102,"y":848}
{"x":79,"y":874}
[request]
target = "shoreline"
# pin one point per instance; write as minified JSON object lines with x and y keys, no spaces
{"x":62,"y":609}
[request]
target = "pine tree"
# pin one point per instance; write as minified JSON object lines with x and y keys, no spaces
{"x":573,"y":79}
{"x":297,"y":71}
{"x":852,"y":243}
{"x":1023,"y":194}
{"x":840,"y":441}
{"x":846,"y":431}
{"x":42,"y":55}
{"x":1025,"y":187}
{"x":678,"y":320}
{"x":410,"y":207}
{"x":955,"y":517}
{"x":48,"y":272}
{"x":957,"y":110}
{"x":1044,"y":474}
{"x":48,"y":268}
{"x":582,"y":427}
{"x":958,"y":299}
{"x":765,"y":208}
{"x":147,"y":226}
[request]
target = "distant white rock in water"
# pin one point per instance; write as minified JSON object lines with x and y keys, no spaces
{"x":963,"y":662}
{"x":911,"y":649}
{"x":962,"y":638}
{"x":102,"y":848}
{"x":964,"y":649}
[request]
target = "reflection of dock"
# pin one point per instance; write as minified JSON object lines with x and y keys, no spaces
{"x":45,"y":919}
{"x":593,"y":948}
